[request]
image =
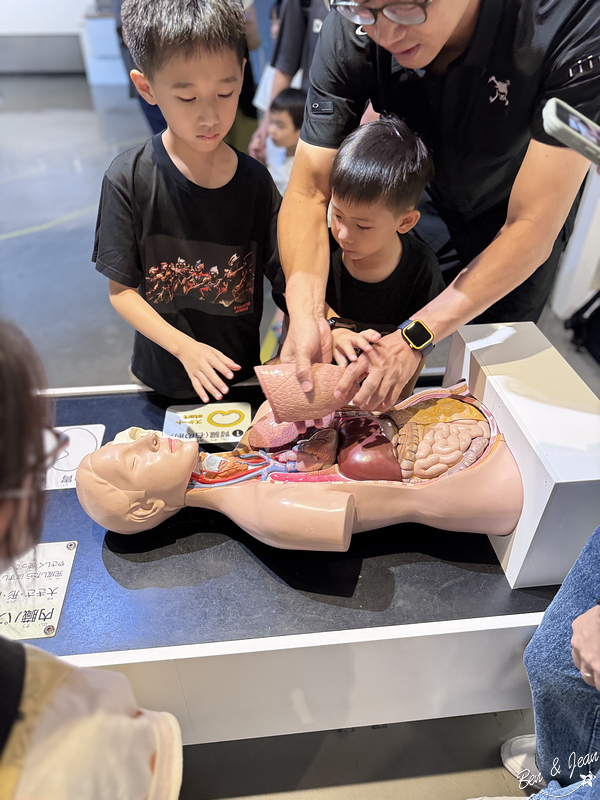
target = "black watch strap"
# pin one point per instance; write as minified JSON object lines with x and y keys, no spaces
{"x":341,"y":322}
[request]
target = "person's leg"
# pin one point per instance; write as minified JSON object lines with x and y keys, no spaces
{"x":567,"y":710}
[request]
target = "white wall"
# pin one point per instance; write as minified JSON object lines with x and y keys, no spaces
{"x":42,"y":17}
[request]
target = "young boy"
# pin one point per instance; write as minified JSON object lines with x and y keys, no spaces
{"x":379,"y":275}
{"x":285,"y":120}
{"x":187,"y":225}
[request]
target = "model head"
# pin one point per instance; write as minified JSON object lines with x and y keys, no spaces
{"x":23,"y":418}
{"x":377,"y":178}
{"x":285,"y":118}
{"x":133,"y":486}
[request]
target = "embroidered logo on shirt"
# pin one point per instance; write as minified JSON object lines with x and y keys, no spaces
{"x":360,"y":31}
{"x":501,"y":90}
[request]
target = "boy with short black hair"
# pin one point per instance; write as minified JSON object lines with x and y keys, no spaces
{"x":379,"y":275}
{"x":285,"y":121}
{"x":187,"y":225}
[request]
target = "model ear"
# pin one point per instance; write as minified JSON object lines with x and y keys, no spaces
{"x":141,"y":511}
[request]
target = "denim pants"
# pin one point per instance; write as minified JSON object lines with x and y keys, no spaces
{"x":566,"y":709}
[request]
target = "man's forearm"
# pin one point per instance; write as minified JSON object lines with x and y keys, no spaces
{"x":514,"y":255}
{"x":302,"y":231}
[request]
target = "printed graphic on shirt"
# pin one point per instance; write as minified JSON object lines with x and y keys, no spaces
{"x":214,"y":278}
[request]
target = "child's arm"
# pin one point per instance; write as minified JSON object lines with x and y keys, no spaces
{"x":201,"y":362}
{"x":345,"y":343}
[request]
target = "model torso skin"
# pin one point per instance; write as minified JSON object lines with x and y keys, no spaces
{"x":437,"y":459}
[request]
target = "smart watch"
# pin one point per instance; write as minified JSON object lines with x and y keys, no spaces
{"x":418,"y":336}
{"x":341,"y":322}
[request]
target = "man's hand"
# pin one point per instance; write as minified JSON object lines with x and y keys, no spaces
{"x":586,"y":646}
{"x":308,"y":342}
{"x":202,"y":363}
{"x":390,"y":364}
{"x":345,"y":344}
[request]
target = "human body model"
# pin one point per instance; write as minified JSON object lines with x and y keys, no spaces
{"x":436,"y":459}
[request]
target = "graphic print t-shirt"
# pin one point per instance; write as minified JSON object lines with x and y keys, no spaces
{"x":196,"y":255}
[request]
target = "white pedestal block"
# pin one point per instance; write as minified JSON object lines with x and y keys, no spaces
{"x":551,"y":422}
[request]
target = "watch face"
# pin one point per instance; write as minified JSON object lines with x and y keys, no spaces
{"x":418,"y":334}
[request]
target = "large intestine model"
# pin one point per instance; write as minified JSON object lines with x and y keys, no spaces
{"x":437,"y":458}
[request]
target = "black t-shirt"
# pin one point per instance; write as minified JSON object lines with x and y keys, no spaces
{"x":416,"y":280}
{"x":478,"y":117}
{"x":196,"y":255}
{"x":301,"y":23}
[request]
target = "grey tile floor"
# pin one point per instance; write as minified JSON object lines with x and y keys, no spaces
{"x":56,"y":140}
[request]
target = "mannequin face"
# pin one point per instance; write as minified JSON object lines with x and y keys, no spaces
{"x":159,"y":467}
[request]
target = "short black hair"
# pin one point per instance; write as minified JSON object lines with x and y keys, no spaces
{"x":382,"y":161}
{"x":292,"y":101}
{"x":156,"y":30}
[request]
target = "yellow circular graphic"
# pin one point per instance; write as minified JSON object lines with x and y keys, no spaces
{"x":210,"y":418}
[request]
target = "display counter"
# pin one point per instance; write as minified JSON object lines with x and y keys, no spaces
{"x":241,"y":640}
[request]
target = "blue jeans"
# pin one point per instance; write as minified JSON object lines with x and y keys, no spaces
{"x":566,"y":709}
{"x":580,"y":793}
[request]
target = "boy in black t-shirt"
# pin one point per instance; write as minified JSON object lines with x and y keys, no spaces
{"x":187,"y":225}
{"x":379,"y":274}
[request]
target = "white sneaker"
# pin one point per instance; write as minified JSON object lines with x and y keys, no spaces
{"x":518,"y":757}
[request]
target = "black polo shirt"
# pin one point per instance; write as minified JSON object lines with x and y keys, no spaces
{"x":480,"y":115}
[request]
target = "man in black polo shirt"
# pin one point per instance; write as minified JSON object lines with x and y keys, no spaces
{"x":471,"y":78}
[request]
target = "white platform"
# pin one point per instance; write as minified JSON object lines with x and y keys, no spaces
{"x":551,"y":422}
{"x":324,"y":681}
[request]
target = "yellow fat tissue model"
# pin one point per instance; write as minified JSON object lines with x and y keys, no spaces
{"x":437,"y":458}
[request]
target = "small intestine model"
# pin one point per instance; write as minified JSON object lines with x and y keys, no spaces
{"x":437,"y":458}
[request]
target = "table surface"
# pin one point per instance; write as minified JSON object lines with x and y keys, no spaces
{"x":199,"y":578}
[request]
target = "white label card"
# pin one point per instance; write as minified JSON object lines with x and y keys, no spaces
{"x":83,"y":439}
{"x":32,"y":592}
{"x":209,"y":424}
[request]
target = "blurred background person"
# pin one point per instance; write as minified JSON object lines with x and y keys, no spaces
{"x":285,"y":121}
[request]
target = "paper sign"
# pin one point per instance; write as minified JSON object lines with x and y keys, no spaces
{"x":210,"y":424}
{"x":32,"y":592}
{"x":83,"y":439}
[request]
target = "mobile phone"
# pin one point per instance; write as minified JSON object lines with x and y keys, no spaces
{"x":572,"y":128}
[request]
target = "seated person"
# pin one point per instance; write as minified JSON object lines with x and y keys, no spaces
{"x":437,"y":459}
{"x":379,"y":274}
{"x":285,"y":121}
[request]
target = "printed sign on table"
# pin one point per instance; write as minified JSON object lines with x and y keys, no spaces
{"x":32,"y":592}
{"x":210,"y":424}
{"x":83,"y":439}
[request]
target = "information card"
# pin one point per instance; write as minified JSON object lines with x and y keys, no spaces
{"x":32,"y":592}
{"x":83,"y":439}
{"x":210,"y":424}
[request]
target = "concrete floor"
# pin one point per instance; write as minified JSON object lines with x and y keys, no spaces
{"x":56,"y":140}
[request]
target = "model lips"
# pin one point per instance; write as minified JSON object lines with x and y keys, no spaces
{"x":173,"y":444}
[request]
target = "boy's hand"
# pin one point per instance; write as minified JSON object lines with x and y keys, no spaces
{"x":202,"y":363}
{"x":346,"y":343}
